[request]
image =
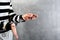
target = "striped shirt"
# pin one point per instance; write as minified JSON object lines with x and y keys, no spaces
{"x":6,"y":12}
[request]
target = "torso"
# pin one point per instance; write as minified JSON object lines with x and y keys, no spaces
{"x":4,"y":13}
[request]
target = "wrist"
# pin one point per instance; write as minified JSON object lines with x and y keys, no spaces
{"x":22,"y":18}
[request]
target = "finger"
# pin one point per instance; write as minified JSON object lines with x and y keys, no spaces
{"x":30,"y":18}
{"x":34,"y":15}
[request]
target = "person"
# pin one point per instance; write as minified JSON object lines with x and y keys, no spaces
{"x":8,"y":18}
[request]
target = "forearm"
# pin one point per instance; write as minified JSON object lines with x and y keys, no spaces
{"x":13,"y":28}
{"x":15,"y":32}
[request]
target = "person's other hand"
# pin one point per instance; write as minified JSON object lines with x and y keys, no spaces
{"x":17,"y":38}
{"x":29,"y":16}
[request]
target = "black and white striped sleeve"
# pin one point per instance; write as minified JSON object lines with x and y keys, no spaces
{"x":14,"y":17}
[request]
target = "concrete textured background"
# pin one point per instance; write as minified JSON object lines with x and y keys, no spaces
{"x":46,"y":26}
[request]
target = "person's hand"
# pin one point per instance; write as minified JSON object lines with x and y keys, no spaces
{"x":17,"y":38}
{"x":29,"y":16}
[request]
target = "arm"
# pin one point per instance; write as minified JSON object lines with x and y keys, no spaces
{"x":13,"y":17}
{"x":18,"y":18}
{"x":13,"y":28}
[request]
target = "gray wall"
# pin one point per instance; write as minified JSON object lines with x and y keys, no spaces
{"x":46,"y":26}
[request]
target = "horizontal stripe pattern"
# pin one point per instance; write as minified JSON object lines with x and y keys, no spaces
{"x":5,"y":7}
{"x":3,"y":14}
{"x":4,"y":0}
{"x":6,"y":17}
{"x":7,"y":13}
{"x":4,"y":3}
{"x":11,"y":13}
{"x":6,"y":10}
